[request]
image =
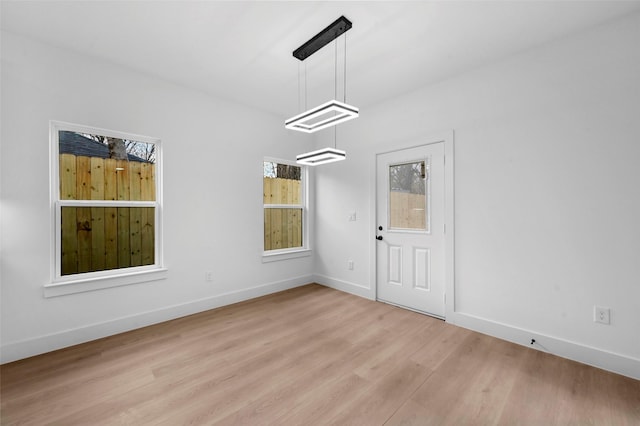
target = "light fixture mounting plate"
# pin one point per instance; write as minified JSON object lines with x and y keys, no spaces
{"x":324,"y":37}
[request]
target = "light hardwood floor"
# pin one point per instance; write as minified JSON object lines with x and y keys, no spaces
{"x":310,"y":355}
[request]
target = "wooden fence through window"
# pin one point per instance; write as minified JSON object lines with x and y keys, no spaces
{"x":407,"y":210}
{"x":102,"y":238}
{"x":282,"y":226}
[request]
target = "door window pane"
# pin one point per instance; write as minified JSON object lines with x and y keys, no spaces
{"x":408,"y":207}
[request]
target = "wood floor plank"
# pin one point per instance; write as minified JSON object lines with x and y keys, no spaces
{"x":553,"y":390}
{"x":385,"y":396}
{"x":485,"y":368}
{"x":309,"y":355}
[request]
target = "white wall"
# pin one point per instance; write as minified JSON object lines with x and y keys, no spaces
{"x":212,"y":153}
{"x":547,"y":204}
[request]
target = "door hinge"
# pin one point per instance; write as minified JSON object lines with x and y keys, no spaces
{"x":444,"y":228}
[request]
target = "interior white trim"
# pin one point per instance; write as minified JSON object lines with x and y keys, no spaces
{"x":104,"y":280}
{"x":584,"y":354}
{"x":25,"y":348}
{"x":276,"y":256}
{"x":346,"y":286}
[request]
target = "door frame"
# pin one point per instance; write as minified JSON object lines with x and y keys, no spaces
{"x":449,"y":218}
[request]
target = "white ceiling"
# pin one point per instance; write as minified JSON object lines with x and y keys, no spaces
{"x":242,"y":50}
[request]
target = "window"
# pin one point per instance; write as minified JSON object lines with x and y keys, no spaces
{"x":408,"y":207}
{"x":106,"y":205}
{"x":284,"y":207}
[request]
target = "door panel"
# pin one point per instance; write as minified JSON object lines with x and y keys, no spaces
{"x":395,"y":265}
{"x":410,"y":212}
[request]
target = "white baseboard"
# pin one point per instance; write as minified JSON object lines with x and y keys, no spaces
{"x":47,"y":343}
{"x":346,"y":286}
{"x":599,"y":358}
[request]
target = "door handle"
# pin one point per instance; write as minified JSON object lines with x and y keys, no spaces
{"x":379,"y":238}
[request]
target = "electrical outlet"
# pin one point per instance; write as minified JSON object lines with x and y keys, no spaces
{"x":208,"y":276}
{"x":350,"y":264}
{"x":352,"y":217}
{"x":601,"y":315}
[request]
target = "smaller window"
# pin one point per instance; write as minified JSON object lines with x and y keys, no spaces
{"x":284,"y":207}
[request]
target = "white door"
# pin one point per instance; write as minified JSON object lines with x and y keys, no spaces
{"x":410,"y":230}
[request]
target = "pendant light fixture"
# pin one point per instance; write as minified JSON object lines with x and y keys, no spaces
{"x":310,"y":121}
{"x":332,"y":112}
{"x":321,"y":156}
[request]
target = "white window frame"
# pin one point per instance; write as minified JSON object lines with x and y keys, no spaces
{"x":293,"y":252}
{"x":88,"y":281}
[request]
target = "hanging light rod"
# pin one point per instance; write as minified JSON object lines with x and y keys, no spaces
{"x":321,"y":156}
{"x":324,"y":37}
{"x":333,"y":112}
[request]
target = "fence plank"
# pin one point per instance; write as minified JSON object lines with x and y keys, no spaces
{"x":284,"y":230}
{"x":111,"y":237}
{"x":110,"y":179}
{"x":296,"y":192}
{"x":83,"y":215}
{"x":135,"y":178}
{"x":69,"y":236}
{"x":97,"y":178}
{"x":98,"y":244}
{"x":147,"y":186}
{"x":83,"y":218}
{"x":124,"y":247}
{"x":266,"y":190}
{"x":135,"y":214}
{"x":147,"y":235}
{"x":289,"y":199}
{"x":267,"y":229}
{"x":283,"y":191}
{"x":275,"y":191}
{"x":68,"y":225}
{"x":122,"y":179}
{"x":111,"y":214}
{"x":67,"y":177}
{"x":297,"y":228}
{"x":83,"y":178}
{"x":276,"y":229}
{"x":289,"y":225}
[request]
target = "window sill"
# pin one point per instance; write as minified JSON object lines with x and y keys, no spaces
{"x":286,"y":255}
{"x":98,"y":283}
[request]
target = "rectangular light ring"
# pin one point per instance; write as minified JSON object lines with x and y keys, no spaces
{"x":321,"y":156}
{"x":332,"y":105}
{"x":301,"y":121}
